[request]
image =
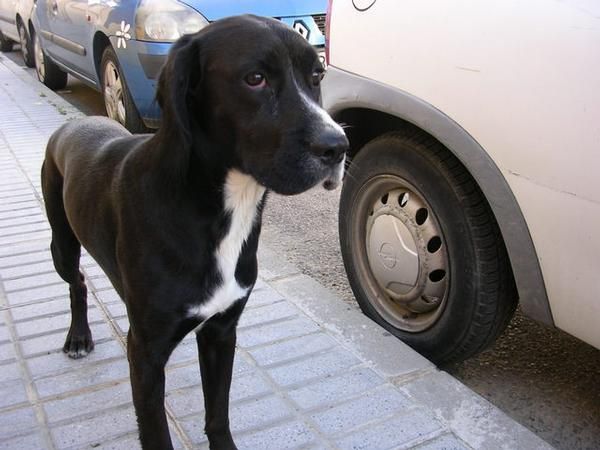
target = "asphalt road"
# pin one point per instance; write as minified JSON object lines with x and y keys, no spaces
{"x":543,"y":378}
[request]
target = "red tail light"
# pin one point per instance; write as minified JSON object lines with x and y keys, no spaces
{"x":328,"y":30}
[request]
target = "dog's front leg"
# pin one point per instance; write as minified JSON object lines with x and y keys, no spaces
{"x":147,"y":372}
{"x":216,"y":347}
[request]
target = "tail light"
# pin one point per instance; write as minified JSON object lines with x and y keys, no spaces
{"x":328,"y":30}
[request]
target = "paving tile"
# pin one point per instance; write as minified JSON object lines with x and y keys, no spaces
{"x":27,"y":269}
{"x":28,"y":442}
{"x":16,"y":421}
{"x":293,"y":348}
{"x":57,"y":361}
{"x":275,"y":331}
{"x":33,"y":281}
{"x":89,"y":403}
{"x":194,"y":428}
{"x":108,"y":296}
{"x":264,"y":295}
{"x":83,"y":376}
{"x":367,"y":408}
{"x":117,"y":309}
{"x":21,"y":248}
{"x":41,"y":308}
{"x":51,"y":342}
{"x":10,"y":371}
{"x":4,"y":334}
{"x":18,"y":209}
{"x":185,"y":352}
{"x":30,"y":226}
{"x":100,"y":283}
{"x":7,"y":351}
{"x":12,"y":393}
{"x":96,"y":430}
{"x":10,"y":259}
{"x":243,"y":417}
{"x":268,"y":313}
{"x":52,"y":324}
{"x":129,"y":442}
{"x":16,"y":188}
{"x":288,"y":435}
{"x":314,"y":368}
{"x":182,"y":377}
{"x":408,"y":428}
{"x":36,"y":294}
{"x":258,"y":412}
{"x":185,"y":402}
{"x":16,"y":198}
{"x":335,"y":389}
{"x":94,"y":271}
{"x":123,"y":324}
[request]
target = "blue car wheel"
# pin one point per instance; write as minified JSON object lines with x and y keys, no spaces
{"x":117,"y":98}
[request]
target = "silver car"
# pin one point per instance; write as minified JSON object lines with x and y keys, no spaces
{"x":15,"y":27}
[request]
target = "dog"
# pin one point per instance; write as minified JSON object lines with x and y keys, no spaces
{"x":174,"y":218}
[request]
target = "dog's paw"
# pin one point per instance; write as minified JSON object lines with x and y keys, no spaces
{"x":78,"y":346}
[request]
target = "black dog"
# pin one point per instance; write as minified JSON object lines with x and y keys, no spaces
{"x":174,"y":218}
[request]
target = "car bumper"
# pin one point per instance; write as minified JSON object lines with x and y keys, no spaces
{"x":140,"y":63}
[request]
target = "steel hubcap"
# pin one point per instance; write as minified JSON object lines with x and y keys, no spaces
{"x":406,"y":254}
{"x":23,"y":40}
{"x":113,"y":93}
{"x":39,"y":59}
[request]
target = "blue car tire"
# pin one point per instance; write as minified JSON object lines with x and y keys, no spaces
{"x":117,"y":98}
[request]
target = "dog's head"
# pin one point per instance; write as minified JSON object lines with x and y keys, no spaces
{"x":249,"y":87}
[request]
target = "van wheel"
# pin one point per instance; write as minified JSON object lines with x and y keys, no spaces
{"x":422,"y":250}
{"x":48,"y":73}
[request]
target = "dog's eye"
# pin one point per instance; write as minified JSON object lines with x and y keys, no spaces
{"x":255,"y":79}
{"x":317,"y":76}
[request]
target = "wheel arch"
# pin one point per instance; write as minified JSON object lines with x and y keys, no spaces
{"x":100,"y":43}
{"x":369,"y":109}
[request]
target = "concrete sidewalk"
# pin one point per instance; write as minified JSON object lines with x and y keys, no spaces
{"x":309,"y":373}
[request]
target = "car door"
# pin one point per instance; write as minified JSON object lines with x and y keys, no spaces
{"x":71,"y":35}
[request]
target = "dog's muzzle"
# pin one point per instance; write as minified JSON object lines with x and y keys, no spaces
{"x":330,"y":147}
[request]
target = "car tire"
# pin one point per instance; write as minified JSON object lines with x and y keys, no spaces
{"x":26,"y":45}
{"x":47,"y":71}
{"x":422,"y":250}
{"x":6,"y":44}
{"x":117,"y":98}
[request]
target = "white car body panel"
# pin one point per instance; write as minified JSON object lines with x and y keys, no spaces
{"x":523,"y":79}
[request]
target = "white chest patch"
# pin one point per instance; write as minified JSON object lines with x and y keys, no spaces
{"x":242,"y":196}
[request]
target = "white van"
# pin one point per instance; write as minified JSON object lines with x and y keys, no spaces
{"x":475,"y":145}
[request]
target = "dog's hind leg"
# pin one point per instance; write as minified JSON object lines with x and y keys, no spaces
{"x":66,"y":251}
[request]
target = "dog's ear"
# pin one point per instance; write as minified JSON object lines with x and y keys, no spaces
{"x":178,"y":88}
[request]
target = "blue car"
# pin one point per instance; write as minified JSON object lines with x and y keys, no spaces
{"x":119,"y":46}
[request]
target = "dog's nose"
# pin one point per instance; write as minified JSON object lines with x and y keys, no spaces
{"x":330,"y":146}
